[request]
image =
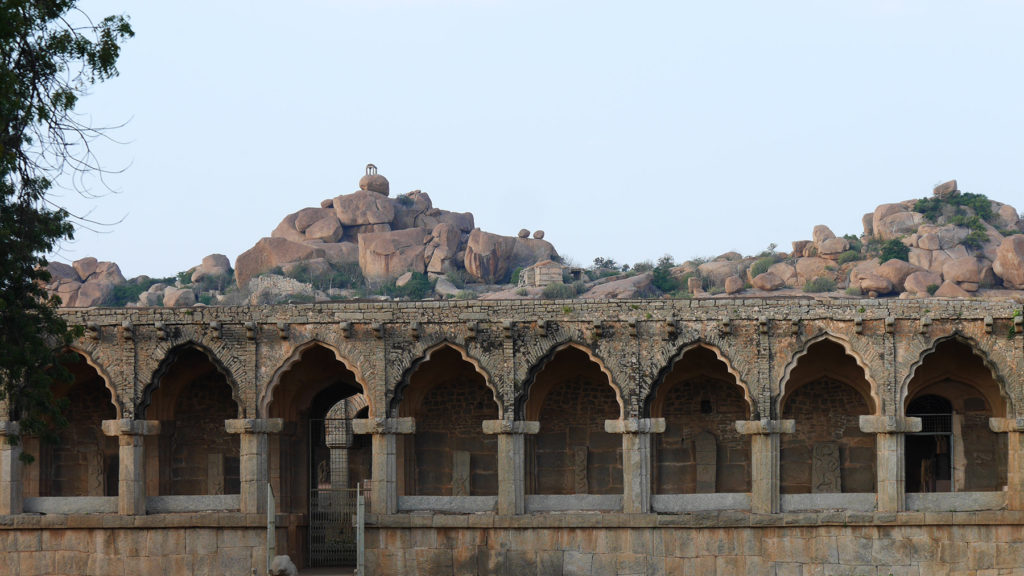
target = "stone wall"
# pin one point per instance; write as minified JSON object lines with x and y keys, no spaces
{"x":97,"y":545}
{"x":709,"y":545}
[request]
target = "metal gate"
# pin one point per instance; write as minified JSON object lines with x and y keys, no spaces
{"x":332,"y":527}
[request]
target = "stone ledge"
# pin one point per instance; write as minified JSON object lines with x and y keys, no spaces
{"x":710,"y":519}
{"x":635,"y":426}
{"x":129,"y":427}
{"x":889,"y":424}
{"x":384,"y":426}
{"x":115,"y":521}
{"x":254,"y":425}
{"x":753,"y":427}
{"x":511,"y":427}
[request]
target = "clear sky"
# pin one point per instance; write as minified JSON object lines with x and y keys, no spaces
{"x":622,"y":129}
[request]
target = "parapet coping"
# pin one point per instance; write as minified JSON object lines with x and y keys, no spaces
{"x":148,"y":521}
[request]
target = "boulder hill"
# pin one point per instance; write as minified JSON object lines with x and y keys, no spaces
{"x":368,"y":244}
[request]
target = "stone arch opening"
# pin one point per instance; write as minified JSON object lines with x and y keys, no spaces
{"x":305,"y":388}
{"x":572,"y":396}
{"x":826,"y":392}
{"x":954,"y":393}
{"x":700,"y":450}
{"x":191,"y":395}
{"x":449,"y":455}
{"x":83,"y":461}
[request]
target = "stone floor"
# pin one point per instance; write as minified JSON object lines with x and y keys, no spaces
{"x":327,"y":572}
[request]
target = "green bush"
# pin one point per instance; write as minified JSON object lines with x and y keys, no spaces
{"x":641,"y":267}
{"x":513,"y":280}
{"x":523,"y":292}
{"x":558,"y":291}
{"x":820,"y":284}
{"x":893,"y":250}
{"x":417,"y":288}
{"x":459,"y":277}
{"x":932,"y":289}
{"x":661,"y":276}
{"x":854,"y":291}
{"x":855,"y":243}
{"x":761,"y":266}
{"x":849,"y":256}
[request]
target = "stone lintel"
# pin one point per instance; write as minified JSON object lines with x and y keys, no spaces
{"x":384,"y":426}
{"x":511,"y":427}
{"x":254,"y":425}
{"x":8,"y":428}
{"x":129,"y":427}
{"x":889,"y":424}
{"x":766,"y":426}
{"x":1006,"y":424}
{"x":635,"y":426}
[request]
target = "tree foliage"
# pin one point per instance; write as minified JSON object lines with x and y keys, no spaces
{"x":48,"y":63}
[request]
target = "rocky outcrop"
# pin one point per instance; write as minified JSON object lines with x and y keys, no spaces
{"x":269,"y":253}
{"x":386,"y":255}
{"x":212,"y":266}
{"x":489,"y":256}
{"x":1009,"y":262}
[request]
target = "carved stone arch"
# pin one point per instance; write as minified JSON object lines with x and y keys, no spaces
{"x":656,"y":360}
{"x":976,"y":347}
{"x":524,"y":394}
{"x":343,"y":354}
{"x":90,"y":359}
{"x":167,"y":352}
{"x":849,"y":349}
{"x":348,"y":408}
{"x":395,"y":394}
{"x":681,"y":351}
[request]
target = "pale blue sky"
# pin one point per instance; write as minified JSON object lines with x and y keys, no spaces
{"x":624,"y":130}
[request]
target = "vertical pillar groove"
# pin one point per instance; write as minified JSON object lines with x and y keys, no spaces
{"x":764,"y":461}
{"x":384,"y":479}
{"x":511,"y":462}
{"x":890,"y":471}
{"x":636,"y":460}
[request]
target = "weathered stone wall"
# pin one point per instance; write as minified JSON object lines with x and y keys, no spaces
{"x":827,"y":412}
{"x":95,"y":545}
{"x":910,"y":544}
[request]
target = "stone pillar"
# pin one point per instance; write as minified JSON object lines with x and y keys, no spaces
{"x":1014,"y":427}
{"x":254,"y":459}
{"x":131,"y":461}
{"x":636,"y":460}
{"x":890,"y":471}
{"x":511,"y":462}
{"x":384,"y":482}
{"x":10,"y":470}
{"x":764,"y":461}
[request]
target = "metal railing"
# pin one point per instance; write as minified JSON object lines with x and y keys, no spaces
{"x":333,"y":527}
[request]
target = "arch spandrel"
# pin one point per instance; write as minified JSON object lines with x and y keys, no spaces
{"x":524,"y":395}
{"x":484,"y":352}
{"x":998,"y":355}
{"x":680,"y":351}
{"x":347,"y":355}
{"x":395,"y":395}
{"x":161,"y":357}
{"x":108,"y":382}
{"x":850,"y":349}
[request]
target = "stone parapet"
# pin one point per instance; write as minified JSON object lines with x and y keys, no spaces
{"x":889,"y":424}
{"x":254,"y":426}
{"x":760,"y":427}
{"x":511,"y":427}
{"x":129,"y":427}
{"x":635,"y":426}
{"x":384,"y":426}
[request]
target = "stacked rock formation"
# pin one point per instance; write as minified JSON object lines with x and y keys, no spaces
{"x":388,"y":237}
{"x":86,"y":282}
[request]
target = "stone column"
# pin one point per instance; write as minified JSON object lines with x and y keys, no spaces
{"x":636,"y":460}
{"x":1014,"y":427}
{"x":764,"y":461}
{"x":511,"y":462}
{"x":131,"y":461}
{"x":10,"y":470}
{"x":384,"y":482}
{"x":890,"y":471}
{"x":254,"y":459}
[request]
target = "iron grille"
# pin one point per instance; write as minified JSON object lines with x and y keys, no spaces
{"x":935,"y":423}
{"x":332,"y":527}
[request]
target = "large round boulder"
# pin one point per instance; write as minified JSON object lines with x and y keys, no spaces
{"x":767,"y":281}
{"x":896,"y":271}
{"x":213,"y":266}
{"x":488,"y":256}
{"x":919,"y":282}
{"x":363,"y":207}
{"x":386,"y":255}
{"x":1009,"y":262}
{"x":269,"y":253}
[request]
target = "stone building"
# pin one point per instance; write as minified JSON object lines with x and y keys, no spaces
{"x":542,"y":273}
{"x":732,"y":436}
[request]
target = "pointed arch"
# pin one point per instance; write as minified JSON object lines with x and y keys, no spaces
{"x":348,"y":408}
{"x":681,"y":351}
{"x":267,"y":396}
{"x":102,"y":373}
{"x":873,"y":395}
{"x":977,"y":350}
{"x":396,"y":397}
{"x":524,"y":395}
{"x":170,"y":356}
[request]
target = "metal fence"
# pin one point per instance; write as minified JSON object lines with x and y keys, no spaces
{"x":332,"y":527}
